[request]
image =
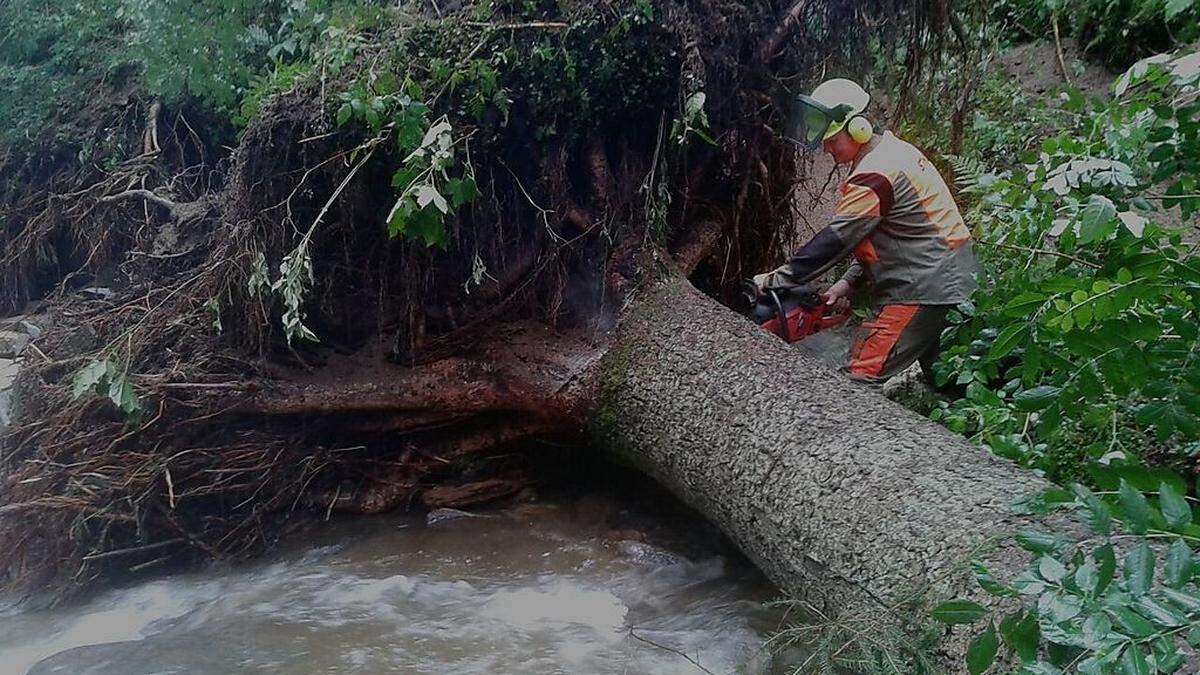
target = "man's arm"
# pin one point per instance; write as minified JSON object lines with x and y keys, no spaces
{"x":853,"y":275}
{"x":865,"y":201}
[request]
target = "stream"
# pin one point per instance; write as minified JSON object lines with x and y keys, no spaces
{"x":599,"y":581}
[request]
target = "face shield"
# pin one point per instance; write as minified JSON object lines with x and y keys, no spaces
{"x":812,"y":122}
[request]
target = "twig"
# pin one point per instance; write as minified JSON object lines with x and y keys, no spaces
{"x":146,"y":195}
{"x":150,"y":144}
{"x":141,"y":566}
{"x":543,"y":212}
{"x":782,"y":32}
{"x":137,"y":549}
{"x":170,"y":487}
{"x":1062,"y":63}
{"x":318,"y":137}
{"x":163,"y":256}
{"x":36,"y":504}
{"x":652,"y":643}
{"x":1041,"y":251}
{"x":1166,"y":197}
{"x":206,"y":385}
{"x":333,"y":502}
{"x":519,"y":26}
{"x":342,"y":187}
{"x":39,"y":352}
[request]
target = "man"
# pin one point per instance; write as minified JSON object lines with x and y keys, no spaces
{"x":898,"y":218}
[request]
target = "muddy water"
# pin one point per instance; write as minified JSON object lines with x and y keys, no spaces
{"x":550,"y":587}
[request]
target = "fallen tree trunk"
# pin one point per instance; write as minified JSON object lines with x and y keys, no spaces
{"x":841,"y":497}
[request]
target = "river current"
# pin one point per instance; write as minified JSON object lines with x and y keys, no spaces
{"x":594,"y":583}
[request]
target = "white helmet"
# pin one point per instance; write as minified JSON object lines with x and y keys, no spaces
{"x":832,"y":105}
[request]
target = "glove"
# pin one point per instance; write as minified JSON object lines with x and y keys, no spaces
{"x":760,"y":281}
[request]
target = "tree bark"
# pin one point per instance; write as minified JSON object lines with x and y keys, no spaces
{"x":843,"y":498}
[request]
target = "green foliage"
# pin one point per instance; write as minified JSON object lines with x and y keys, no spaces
{"x":1078,"y":358}
{"x":295,"y":277}
{"x":105,"y":378}
{"x":1114,"y":602}
{"x":862,"y":642}
{"x":427,"y":190}
{"x":308,"y":43}
{"x":692,"y":121}
{"x":958,"y":611}
{"x":226,"y":57}
{"x":201,"y":49}
{"x":606,"y":65}
{"x":1118,"y":31}
{"x":280,"y":79}
{"x":471,"y":75}
{"x":1082,"y":349}
{"x":219,"y":53}
{"x":602,"y":64}
{"x":291,"y":288}
{"x":50,"y":51}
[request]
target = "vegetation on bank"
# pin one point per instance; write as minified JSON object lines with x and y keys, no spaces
{"x":1078,"y":357}
{"x":219,"y":60}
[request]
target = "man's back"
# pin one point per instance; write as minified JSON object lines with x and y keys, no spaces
{"x":920,"y":250}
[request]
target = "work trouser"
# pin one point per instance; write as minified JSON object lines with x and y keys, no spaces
{"x":895,"y":336}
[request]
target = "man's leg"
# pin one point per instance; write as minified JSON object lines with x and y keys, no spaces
{"x":931,"y":354}
{"x":893,"y":338}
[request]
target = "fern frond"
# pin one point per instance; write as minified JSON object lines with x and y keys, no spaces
{"x":967,"y":172}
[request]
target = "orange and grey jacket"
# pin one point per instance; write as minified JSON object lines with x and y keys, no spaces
{"x":898,"y":217}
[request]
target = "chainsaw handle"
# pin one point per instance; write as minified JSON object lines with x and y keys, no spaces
{"x":837,"y":318}
{"x":832,"y":320}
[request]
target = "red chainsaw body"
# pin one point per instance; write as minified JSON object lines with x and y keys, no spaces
{"x":801,"y":323}
{"x":793,"y":313}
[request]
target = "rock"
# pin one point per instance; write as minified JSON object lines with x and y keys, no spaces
{"x":8,"y":373}
{"x":445,"y":515}
{"x":642,"y":553}
{"x":80,"y":340}
{"x":5,"y":410}
{"x":909,"y":389}
{"x":12,"y":344}
{"x":31,"y":329}
{"x":98,"y":292}
{"x":31,"y":323}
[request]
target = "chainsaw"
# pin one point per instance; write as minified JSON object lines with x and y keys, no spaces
{"x":792,"y":313}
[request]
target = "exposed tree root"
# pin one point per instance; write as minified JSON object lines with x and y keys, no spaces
{"x":698,"y":245}
{"x":786,"y":27}
{"x":522,"y":368}
{"x":180,"y":212}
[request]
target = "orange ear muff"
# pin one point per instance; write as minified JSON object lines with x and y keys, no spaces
{"x":859,"y":129}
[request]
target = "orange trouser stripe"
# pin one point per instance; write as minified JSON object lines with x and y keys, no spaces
{"x":869,"y":354}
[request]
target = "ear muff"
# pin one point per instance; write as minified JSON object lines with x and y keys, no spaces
{"x":859,"y":129}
